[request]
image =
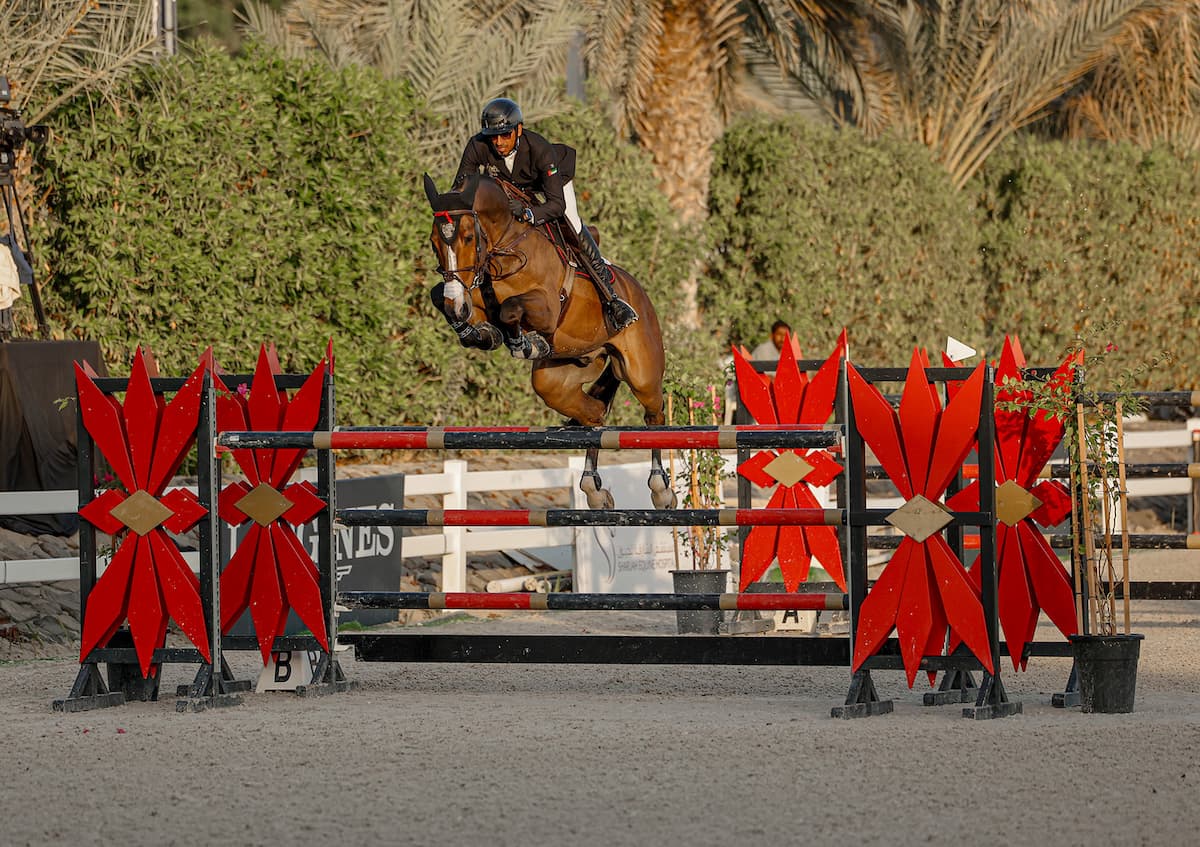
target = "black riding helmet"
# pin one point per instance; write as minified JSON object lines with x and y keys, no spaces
{"x":501,"y":116}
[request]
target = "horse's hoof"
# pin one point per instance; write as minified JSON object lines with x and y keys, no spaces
{"x":597,"y":497}
{"x":663,"y":499}
{"x":601,"y":499}
{"x":657,"y":481}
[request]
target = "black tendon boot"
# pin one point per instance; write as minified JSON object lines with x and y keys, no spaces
{"x":617,"y":312}
{"x":529,"y":345}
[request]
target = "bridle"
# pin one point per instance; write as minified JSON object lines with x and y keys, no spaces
{"x":482,"y":270}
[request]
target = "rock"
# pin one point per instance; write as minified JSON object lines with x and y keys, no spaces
{"x":16,"y":609}
{"x":14,"y":545}
{"x":56,"y":547}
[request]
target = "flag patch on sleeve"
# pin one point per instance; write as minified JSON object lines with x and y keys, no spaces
{"x":552,"y":170}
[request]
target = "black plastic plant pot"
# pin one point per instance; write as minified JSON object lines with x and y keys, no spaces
{"x":699,"y":621}
{"x":1107,"y":669}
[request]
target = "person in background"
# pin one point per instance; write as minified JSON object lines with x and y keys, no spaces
{"x":773,"y":346}
{"x":768,"y":351}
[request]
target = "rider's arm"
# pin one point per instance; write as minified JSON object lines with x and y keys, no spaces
{"x":545,"y":160}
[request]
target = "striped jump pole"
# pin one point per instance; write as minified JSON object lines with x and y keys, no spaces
{"x":591,"y":602}
{"x":1063,"y":541}
{"x":634,"y":517}
{"x":542,"y":438}
{"x":590,"y":517}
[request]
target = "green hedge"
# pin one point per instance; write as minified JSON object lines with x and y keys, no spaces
{"x":1097,"y":241}
{"x":824,"y":229}
{"x":232,"y":201}
{"x":224,"y":203}
{"x":1052,"y":241}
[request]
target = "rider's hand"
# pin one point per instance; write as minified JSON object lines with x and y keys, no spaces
{"x":517,"y":208}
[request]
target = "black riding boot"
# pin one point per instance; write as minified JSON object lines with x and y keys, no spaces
{"x":617,"y":312}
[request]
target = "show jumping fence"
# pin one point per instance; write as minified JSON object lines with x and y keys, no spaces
{"x":132,"y":665}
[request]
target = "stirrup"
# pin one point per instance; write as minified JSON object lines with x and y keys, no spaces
{"x":619,"y":314}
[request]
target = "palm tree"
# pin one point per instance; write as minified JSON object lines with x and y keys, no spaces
{"x":676,"y":70}
{"x":961,"y":76}
{"x":958,"y":76}
{"x":1147,"y":88}
{"x":56,"y":49}
{"x":458,"y":54}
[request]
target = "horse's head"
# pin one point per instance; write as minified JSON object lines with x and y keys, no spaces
{"x":467,"y":227}
{"x":458,"y":243}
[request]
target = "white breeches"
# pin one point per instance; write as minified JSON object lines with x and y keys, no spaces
{"x":571,"y":213}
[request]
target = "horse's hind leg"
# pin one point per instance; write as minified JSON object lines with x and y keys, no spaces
{"x":662,"y":493}
{"x":648,"y":391}
{"x":598,"y":497}
{"x":560,"y":385}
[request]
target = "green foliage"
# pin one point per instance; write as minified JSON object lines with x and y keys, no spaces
{"x":220,"y":20}
{"x":824,"y":229}
{"x":226,"y":204}
{"x":1078,"y":236}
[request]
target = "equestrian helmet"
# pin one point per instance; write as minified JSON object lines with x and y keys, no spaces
{"x":501,"y":116}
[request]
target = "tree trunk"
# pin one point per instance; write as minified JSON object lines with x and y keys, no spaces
{"x":681,"y":123}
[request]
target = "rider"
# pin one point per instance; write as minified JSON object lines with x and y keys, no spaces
{"x":504,"y":149}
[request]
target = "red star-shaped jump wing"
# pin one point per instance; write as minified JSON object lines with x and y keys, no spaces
{"x":144,"y":441}
{"x":790,"y":398}
{"x":1031,"y":578}
{"x":270,"y":572}
{"x":924,"y":588}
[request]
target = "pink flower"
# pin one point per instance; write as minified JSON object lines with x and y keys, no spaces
{"x":243,"y":389}
{"x":1110,"y":348}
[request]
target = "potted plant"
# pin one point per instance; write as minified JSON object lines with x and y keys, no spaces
{"x":701,"y":547}
{"x":1105,"y":650}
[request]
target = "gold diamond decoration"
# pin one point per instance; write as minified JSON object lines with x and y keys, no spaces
{"x":787,"y":469}
{"x":1014,"y":503}
{"x":141,"y":512}
{"x":263,"y":504}
{"x":920,"y":518}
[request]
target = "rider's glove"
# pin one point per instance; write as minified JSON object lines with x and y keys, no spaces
{"x":517,"y":208}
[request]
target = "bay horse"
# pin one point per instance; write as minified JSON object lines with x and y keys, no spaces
{"x":524,"y":293}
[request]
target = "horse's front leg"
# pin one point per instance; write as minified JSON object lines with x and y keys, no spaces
{"x":450,"y":300}
{"x":527,"y":309}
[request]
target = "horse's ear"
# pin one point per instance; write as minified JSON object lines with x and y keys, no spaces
{"x":468,"y":192}
{"x":431,"y":191}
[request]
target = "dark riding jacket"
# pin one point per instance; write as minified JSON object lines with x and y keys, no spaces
{"x":539,"y":166}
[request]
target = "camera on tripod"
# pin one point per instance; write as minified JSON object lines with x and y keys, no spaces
{"x":13,"y":131}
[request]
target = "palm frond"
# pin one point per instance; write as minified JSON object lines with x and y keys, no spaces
{"x":55,"y":49}
{"x":1146,"y":89}
{"x":456,"y":53}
